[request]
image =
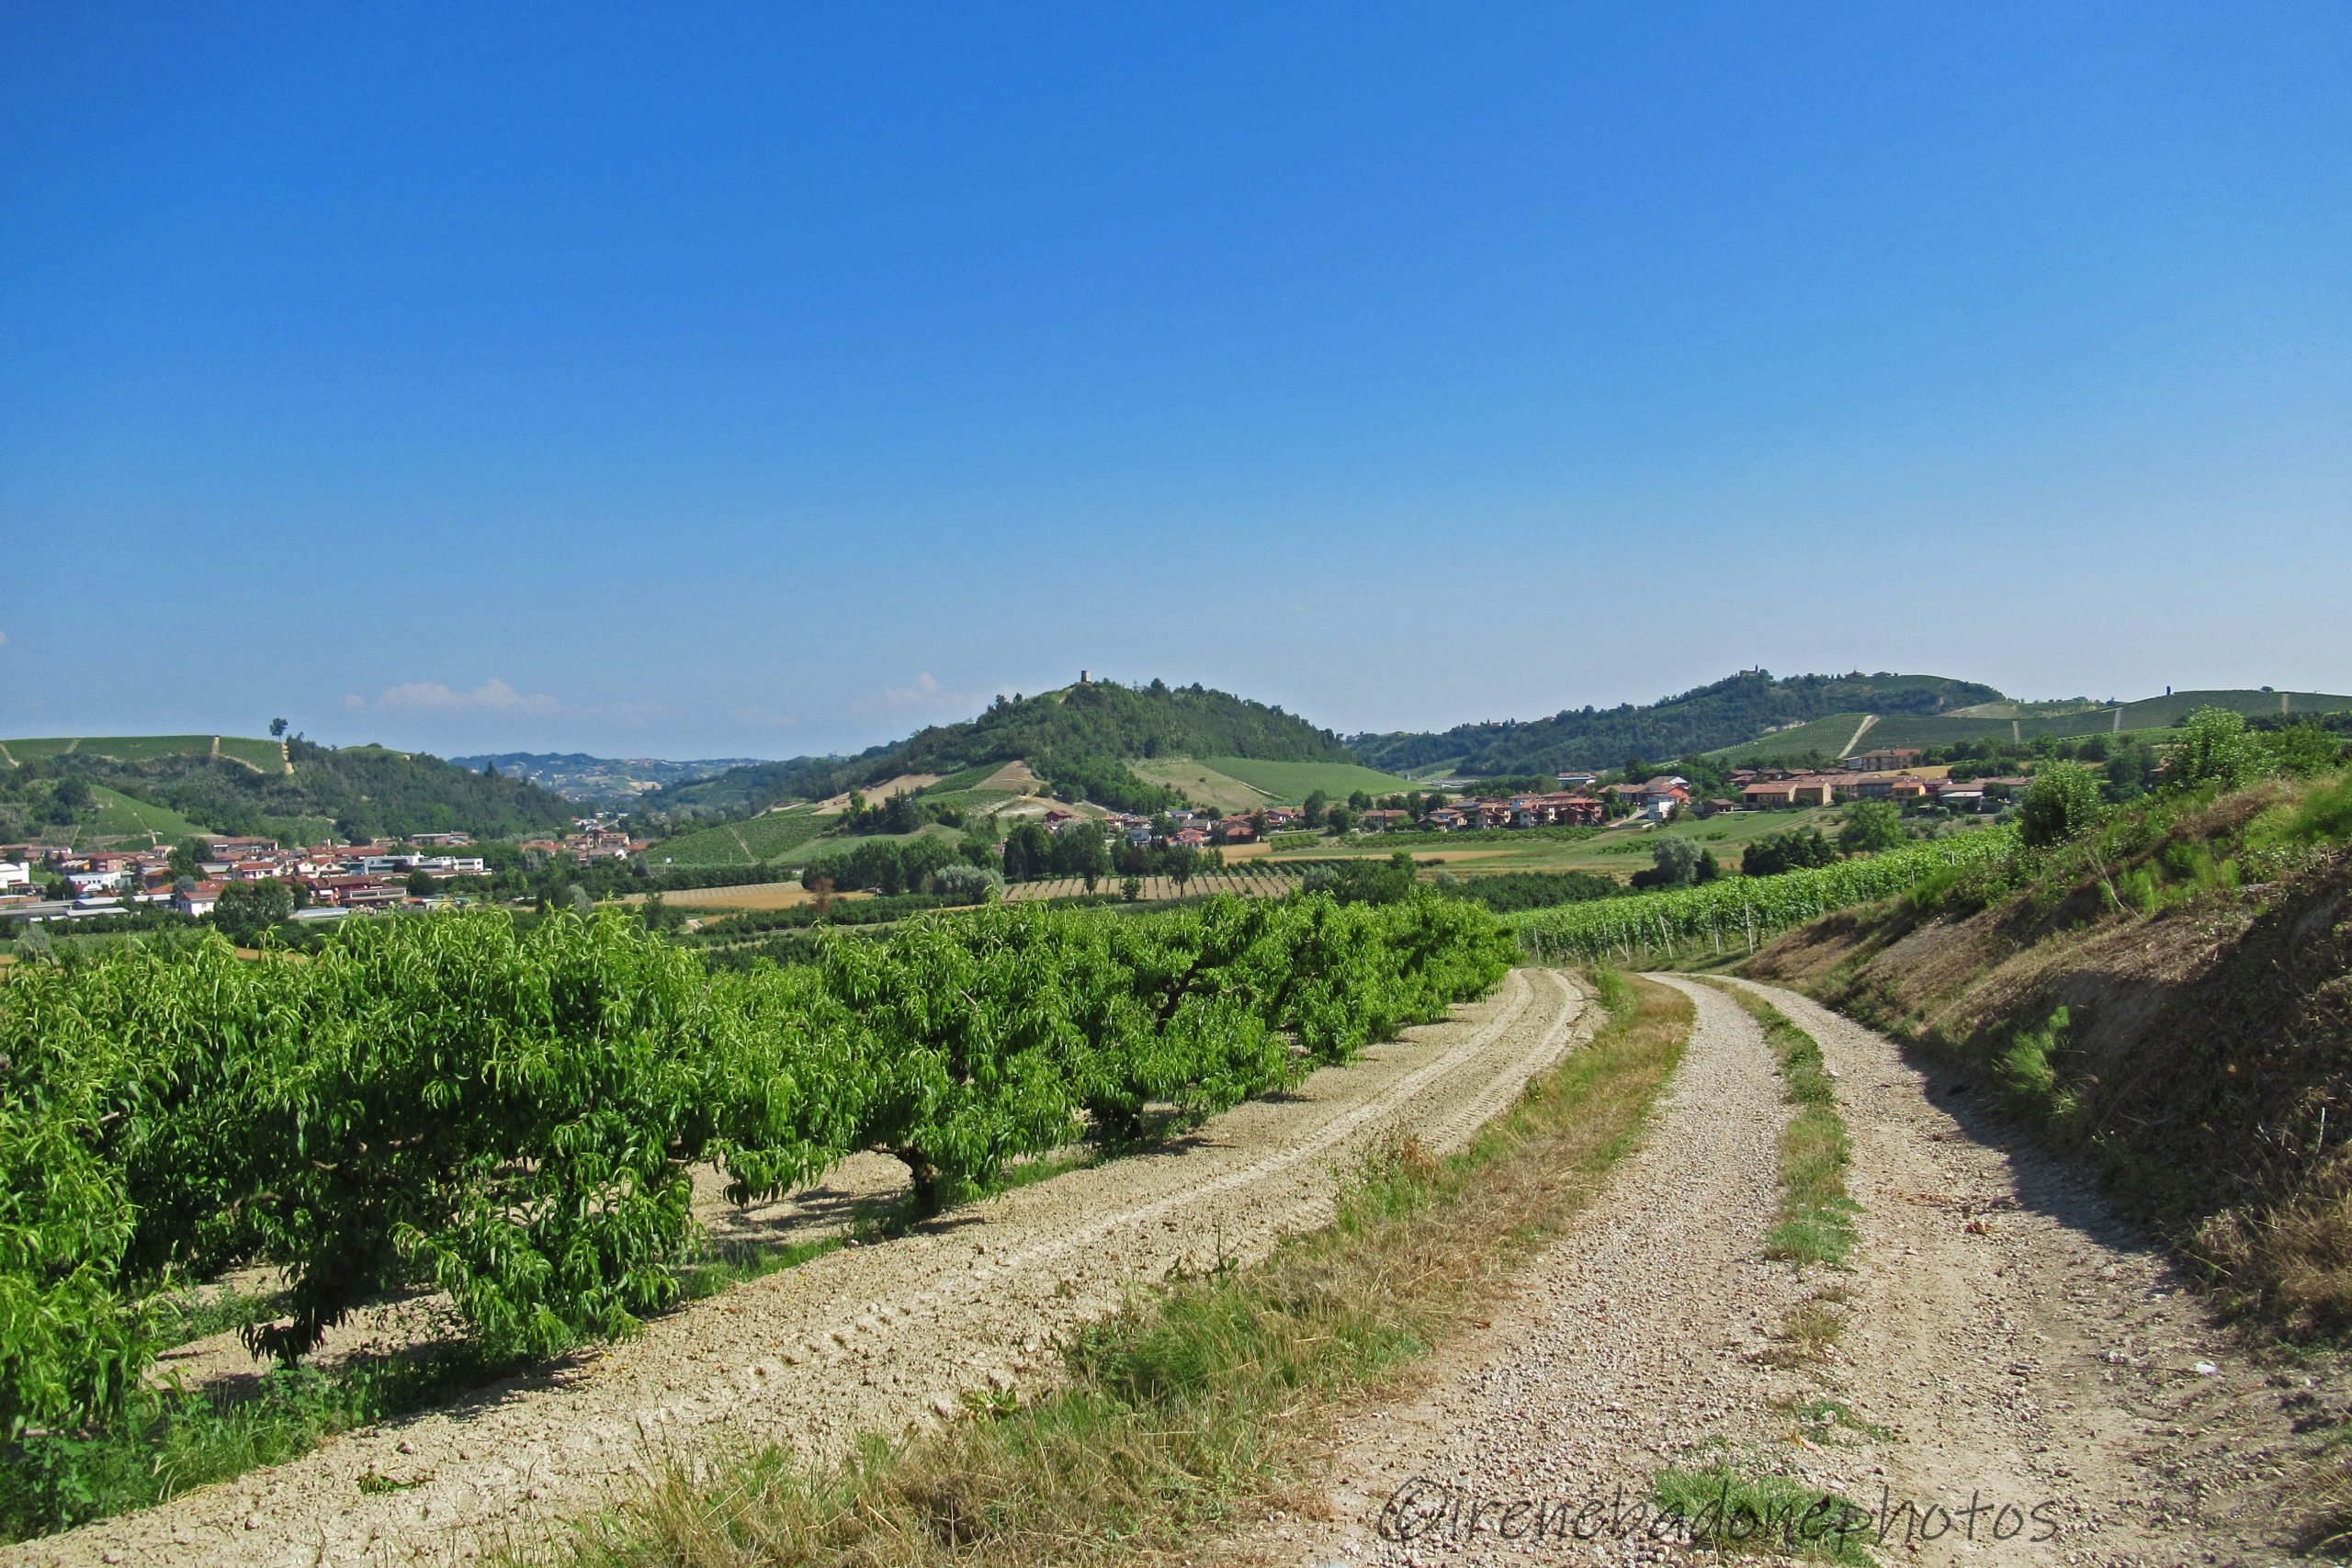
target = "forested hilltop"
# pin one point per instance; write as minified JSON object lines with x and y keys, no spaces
{"x":1079,"y":736}
{"x":354,"y":792}
{"x":1727,"y":712}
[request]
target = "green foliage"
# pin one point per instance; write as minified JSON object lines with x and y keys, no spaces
{"x":246,"y":910}
{"x":2304,"y":751}
{"x":891,"y":866}
{"x":1510,"y":892}
{"x":1755,"y":1512}
{"x":2025,"y":1065}
{"x":2216,"y":748}
{"x":514,"y":1116}
{"x":1391,"y":881}
{"x":1871,"y":825}
{"x":2324,"y":816}
{"x":1798,"y":849}
{"x":1678,"y":862}
{"x":967,"y":884}
{"x":2065,"y":801}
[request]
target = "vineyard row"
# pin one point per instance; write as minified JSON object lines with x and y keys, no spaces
{"x":1740,"y":910}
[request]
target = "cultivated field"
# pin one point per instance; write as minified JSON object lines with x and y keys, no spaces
{"x":1202,"y":785}
{"x":265,"y":756}
{"x":1259,"y":880}
{"x":904,"y":784}
{"x":1617,"y":852}
{"x":749,"y":897}
{"x":1293,"y":781}
{"x":133,"y":823}
{"x":766,"y":839}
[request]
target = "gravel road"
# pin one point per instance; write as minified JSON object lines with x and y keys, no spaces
{"x":864,"y":1339}
{"x":2008,"y":1345}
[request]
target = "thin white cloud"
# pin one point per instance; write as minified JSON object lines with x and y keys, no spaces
{"x":4,"y":640}
{"x":495,"y":699}
{"x":926,"y":692}
{"x":492,"y":695}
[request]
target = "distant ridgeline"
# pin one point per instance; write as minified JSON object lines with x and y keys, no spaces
{"x":1077,"y":738}
{"x":233,"y":785}
{"x":605,"y":781}
{"x":1724,"y":714}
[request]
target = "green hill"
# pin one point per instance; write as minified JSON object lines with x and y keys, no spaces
{"x":1079,"y":740}
{"x":177,"y":784}
{"x":1829,"y":738}
{"x":1727,"y":713}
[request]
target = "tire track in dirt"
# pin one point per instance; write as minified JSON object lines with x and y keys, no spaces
{"x":2016,"y":1336}
{"x":864,"y":1339}
{"x":2022,"y":1370}
{"x":1624,"y":1346}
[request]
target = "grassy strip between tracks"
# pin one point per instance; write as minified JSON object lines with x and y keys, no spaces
{"x":1211,"y":1399}
{"x":1815,"y":1223}
{"x":1749,"y":1506}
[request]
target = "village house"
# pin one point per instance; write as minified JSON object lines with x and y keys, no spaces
{"x":1893,"y":760}
{"x":1557,"y":811}
{"x":234,"y":850}
{"x":1967,"y":797}
{"x":197,"y":900}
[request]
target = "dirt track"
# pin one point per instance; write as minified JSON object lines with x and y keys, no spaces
{"x":2008,"y":1343}
{"x":864,"y":1339}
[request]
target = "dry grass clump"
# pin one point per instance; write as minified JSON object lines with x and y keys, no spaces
{"x":1209,"y":1400}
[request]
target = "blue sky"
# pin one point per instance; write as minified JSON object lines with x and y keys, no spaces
{"x":768,"y":380}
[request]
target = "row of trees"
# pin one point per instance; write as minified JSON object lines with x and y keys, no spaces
{"x":515,"y":1115}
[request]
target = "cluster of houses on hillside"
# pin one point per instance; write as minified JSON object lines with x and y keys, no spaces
{"x":592,"y":838}
{"x":1583,"y":801}
{"x":1875,"y":775}
{"x":335,"y":877}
